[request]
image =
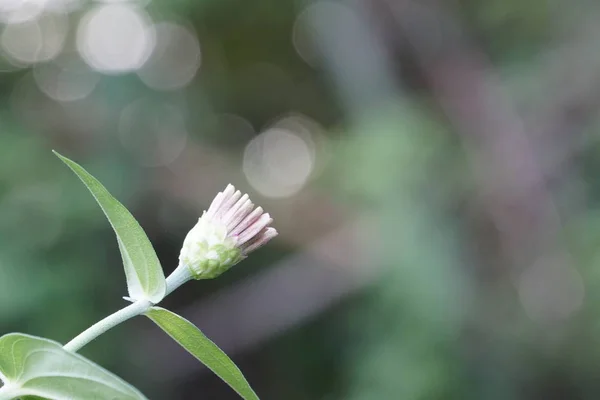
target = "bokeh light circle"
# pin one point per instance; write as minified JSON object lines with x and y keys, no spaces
{"x":36,"y":40}
{"x":67,"y":78}
{"x":550,"y":290}
{"x":175,"y":59}
{"x":279,"y":161}
{"x":115,"y":38}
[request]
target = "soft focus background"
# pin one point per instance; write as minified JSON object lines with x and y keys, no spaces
{"x":433,"y":168}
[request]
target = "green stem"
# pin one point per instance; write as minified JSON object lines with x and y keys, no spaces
{"x":132,"y":310}
{"x":180,"y":276}
{"x":7,"y":392}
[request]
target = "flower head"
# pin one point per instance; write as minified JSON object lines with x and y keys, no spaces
{"x":225,"y":235}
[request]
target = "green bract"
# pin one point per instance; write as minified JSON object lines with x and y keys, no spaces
{"x":33,"y":366}
{"x":145,"y":278}
{"x":209,"y":268}
{"x":207,"y":250}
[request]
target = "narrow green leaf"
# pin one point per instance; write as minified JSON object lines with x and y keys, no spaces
{"x":145,"y":277}
{"x":201,"y":347}
{"x":41,"y":368}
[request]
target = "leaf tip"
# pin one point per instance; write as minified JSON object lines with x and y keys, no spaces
{"x":57,"y":154}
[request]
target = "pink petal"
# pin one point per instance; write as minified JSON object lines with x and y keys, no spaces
{"x":222,"y":197}
{"x":246,"y":222}
{"x":234,"y":209}
{"x":242,"y":213}
{"x":227,"y":204}
{"x":214,"y":205}
{"x":255,"y":228}
{"x":260,"y":240}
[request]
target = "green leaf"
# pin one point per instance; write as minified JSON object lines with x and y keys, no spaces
{"x":201,"y":347}
{"x":41,"y":368}
{"x":145,"y":277}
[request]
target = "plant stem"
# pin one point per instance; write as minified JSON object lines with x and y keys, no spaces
{"x":7,"y":393}
{"x":180,"y":276}
{"x":132,"y":310}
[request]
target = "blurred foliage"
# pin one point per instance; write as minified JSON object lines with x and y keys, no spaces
{"x":443,"y":317}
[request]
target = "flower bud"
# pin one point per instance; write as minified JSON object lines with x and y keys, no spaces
{"x":224,"y":235}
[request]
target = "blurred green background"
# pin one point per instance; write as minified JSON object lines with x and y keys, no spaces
{"x":432,"y":167}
